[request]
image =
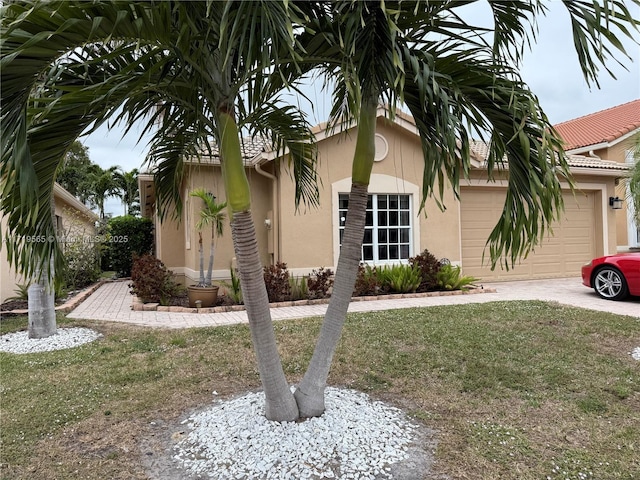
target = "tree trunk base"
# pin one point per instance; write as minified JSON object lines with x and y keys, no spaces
{"x":310,"y":401}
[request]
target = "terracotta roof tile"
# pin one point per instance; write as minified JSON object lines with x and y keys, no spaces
{"x":480,"y":150}
{"x":604,"y":126}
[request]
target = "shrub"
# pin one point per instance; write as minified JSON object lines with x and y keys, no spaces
{"x":400,"y":278}
{"x":429,"y":266}
{"x":127,"y":237}
{"x":151,"y":281}
{"x":276,"y":279}
{"x":233,"y":287}
{"x":21,"y":293}
{"x":82,"y":264}
{"x":319,"y":283}
{"x":367,"y":283}
{"x":449,"y":278}
{"x":299,"y":288}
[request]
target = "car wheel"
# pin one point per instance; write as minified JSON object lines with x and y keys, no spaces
{"x":609,"y":283}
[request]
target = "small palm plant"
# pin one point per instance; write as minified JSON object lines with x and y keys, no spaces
{"x":212,"y":215}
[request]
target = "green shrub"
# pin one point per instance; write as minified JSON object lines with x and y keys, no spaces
{"x":399,"y":278}
{"x":276,"y":279}
{"x":152,"y":282}
{"x":429,"y":266}
{"x":449,"y":278}
{"x":367,"y":283}
{"x":128,"y":236}
{"x":82,"y":264}
{"x":299,"y":288}
{"x":21,"y":293}
{"x":233,"y":287}
{"x":319,"y":283}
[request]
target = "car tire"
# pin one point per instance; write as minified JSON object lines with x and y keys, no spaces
{"x":610,"y":284}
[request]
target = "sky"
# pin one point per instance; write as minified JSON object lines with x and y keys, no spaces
{"x":551,"y":69}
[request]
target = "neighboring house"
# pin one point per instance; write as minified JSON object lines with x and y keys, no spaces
{"x":611,"y":134}
{"x":396,"y":229}
{"x":74,"y":221}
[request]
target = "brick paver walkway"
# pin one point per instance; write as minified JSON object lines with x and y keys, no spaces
{"x":112,"y":302}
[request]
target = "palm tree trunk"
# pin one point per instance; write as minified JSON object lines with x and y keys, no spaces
{"x":280,"y":405}
{"x":41,"y":298}
{"x":310,"y":393}
{"x":201,"y":253}
{"x":210,"y":269}
{"x":42,"y":308}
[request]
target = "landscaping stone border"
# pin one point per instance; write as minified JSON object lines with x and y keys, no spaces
{"x":138,"y":305}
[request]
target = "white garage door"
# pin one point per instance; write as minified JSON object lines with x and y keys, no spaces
{"x":561,"y":254}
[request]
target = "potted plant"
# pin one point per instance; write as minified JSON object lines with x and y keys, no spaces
{"x":211,"y":215}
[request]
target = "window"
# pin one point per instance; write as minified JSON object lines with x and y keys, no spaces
{"x":387,"y":235}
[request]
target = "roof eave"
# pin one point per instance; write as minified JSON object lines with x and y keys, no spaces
{"x":601,"y":145}
{"x":63,"y":193}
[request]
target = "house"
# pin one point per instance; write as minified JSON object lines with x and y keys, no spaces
{"x":396,"y":228}
{"x":73,"y":221}
{"x":611,"y":134}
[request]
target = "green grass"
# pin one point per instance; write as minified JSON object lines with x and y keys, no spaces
{"x":524,"y":390}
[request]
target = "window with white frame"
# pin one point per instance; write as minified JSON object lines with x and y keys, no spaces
{"x":388,"y":230}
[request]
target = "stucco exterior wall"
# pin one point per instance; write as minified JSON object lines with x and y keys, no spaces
{"x":310,"y":236}
{"x":618,"y":153}
{"x":179,"y":243}
{"x":72,"y":224}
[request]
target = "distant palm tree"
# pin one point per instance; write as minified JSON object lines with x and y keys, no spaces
{"x":102,"y":185}
{"x":128,"y":183}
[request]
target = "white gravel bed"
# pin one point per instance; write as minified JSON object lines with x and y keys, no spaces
{"x":356,"y":438}
{"x":635,"y":354}
{"x":19,"y":342}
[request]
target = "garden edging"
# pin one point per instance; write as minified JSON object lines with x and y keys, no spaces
{"x":137,"y":304}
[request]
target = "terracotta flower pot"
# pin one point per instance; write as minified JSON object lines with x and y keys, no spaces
{"x":207,"y":295}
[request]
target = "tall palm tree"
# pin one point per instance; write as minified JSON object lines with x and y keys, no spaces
{"x":211,"y":215}
{"x":128,"y":184}
{"x":455,"y":83}
{"x":198,"y":70}
{"x":104,"y":183}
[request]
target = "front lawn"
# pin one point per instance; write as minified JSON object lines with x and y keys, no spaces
{"x":514,"y":390}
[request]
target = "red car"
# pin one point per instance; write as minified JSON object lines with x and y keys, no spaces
{"x":613,"y":277}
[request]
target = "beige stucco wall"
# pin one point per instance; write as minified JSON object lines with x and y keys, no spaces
{"x":309,"y":237}
{"x":8,"y":276}
{"x":617,"y":153}
{"x":75,"y":225}
{"x":178,"y":245}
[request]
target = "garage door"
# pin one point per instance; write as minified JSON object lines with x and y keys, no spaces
{"x":573,"y":242}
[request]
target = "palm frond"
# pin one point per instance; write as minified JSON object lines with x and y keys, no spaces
{"x":289,"y":133}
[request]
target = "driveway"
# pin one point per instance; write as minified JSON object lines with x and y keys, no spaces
{"x":568,"y":291}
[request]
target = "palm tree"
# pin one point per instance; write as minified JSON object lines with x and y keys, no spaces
{"x":197,"y":70}
{"x":104,"y":184}
{"x":128,"y":184}
{"x":210,"y":215}
{"x":455,"y":84}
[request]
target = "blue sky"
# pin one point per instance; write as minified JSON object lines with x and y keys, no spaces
{"x":551,"y":69}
